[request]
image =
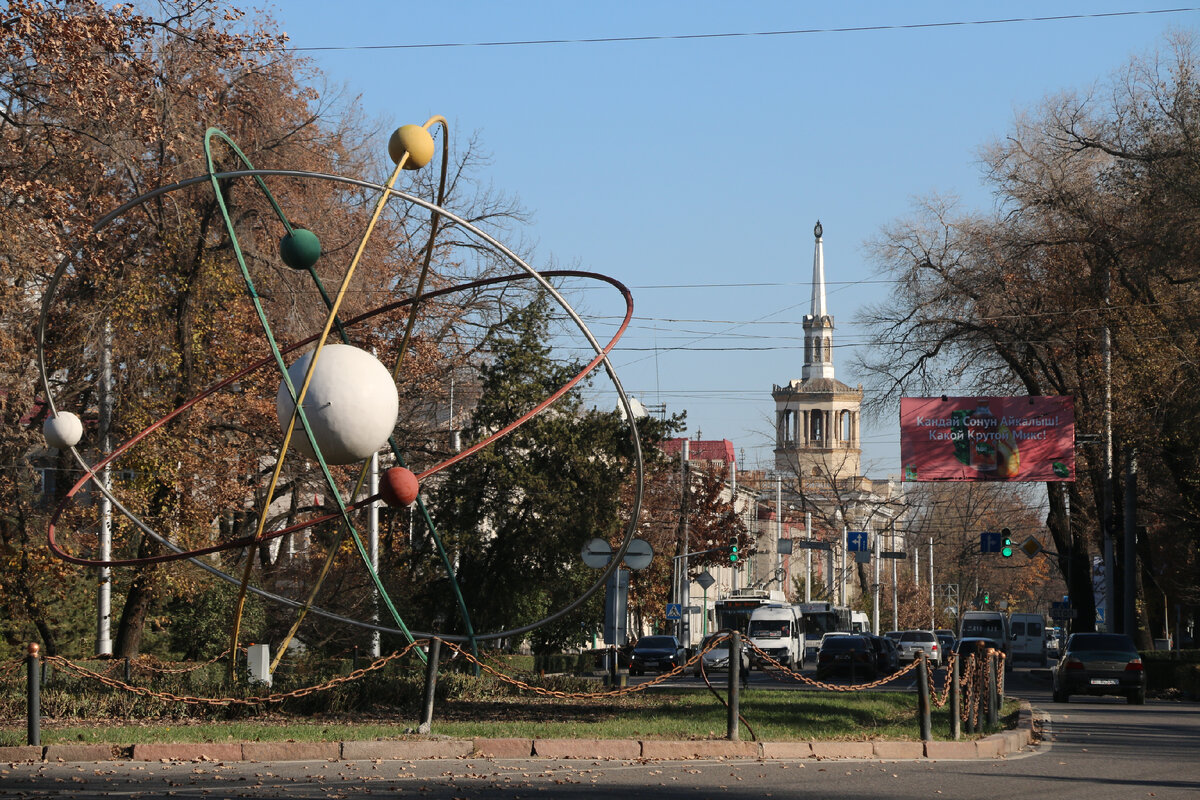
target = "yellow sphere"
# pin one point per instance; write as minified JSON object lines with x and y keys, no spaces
{"x":414,"y":140}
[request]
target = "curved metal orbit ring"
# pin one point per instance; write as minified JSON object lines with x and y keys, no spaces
{"x":179,"y":553}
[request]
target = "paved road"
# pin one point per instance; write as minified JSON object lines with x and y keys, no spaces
{"x":1097,"y":749}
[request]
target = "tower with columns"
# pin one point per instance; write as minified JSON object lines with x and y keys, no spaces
{"x":817,"y":416}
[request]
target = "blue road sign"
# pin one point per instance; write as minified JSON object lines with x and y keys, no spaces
{"x":989,"y":542}
{"x":674,"y":611}
{"x":856,"y":541}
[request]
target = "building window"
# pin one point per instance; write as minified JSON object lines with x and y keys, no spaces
{"x":46,"y":484}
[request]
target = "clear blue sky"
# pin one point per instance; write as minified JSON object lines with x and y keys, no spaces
{"x":693,"y":169}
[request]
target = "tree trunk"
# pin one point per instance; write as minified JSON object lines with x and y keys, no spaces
{"x":133,"y":615}
{"x":138,"y":601}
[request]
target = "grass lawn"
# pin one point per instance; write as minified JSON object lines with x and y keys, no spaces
{"x":771,"y":716}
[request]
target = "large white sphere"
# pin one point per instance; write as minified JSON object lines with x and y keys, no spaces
{"x":63,"y":430}
{"x":351,"y":404}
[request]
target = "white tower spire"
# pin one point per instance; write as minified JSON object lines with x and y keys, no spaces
{"x":818,"y":325}
{"x":817,"y":308}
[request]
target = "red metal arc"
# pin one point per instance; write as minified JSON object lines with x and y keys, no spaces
{"x":247,"y":540}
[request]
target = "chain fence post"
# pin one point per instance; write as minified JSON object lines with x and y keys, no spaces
{"x":735,"y":681}
{"x":923,"y":704}
{"x":972,"y":694}
{"x":34,"y":706}
{"x":993,"y":690}
{"x":431,"y":672}
{"x":955,"y":700}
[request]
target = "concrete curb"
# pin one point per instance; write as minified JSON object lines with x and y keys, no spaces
{"x":998,"y":745}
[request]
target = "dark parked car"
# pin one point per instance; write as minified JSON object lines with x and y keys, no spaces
{"x":662,"y":653}
{"x":972,"y":644}
{"x":887,"y":655}
{"x":852,"y":655}
{"x":1100,"y":663}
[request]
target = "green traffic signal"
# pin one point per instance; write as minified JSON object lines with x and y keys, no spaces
{"x":733,"y":551}
{"x":1007,"y":549}
{"x":986,"y":598}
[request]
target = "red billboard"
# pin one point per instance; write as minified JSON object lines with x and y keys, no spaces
{"x":987,"y":438}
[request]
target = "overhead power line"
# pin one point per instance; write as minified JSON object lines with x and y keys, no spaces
{"x":745,"y":34}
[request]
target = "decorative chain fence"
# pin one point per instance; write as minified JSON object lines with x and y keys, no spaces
{"x":279,"y":697}
{"x":782,"y":670}
{"x":973,"y":687}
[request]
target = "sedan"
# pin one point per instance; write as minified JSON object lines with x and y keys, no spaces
{"x":913,"y":643}
{"x":717,"y":659}
{"x":657,"y":652}
{"x":887,"y":655}
{"x":850,"y":654}
{"x":1100,"y":663}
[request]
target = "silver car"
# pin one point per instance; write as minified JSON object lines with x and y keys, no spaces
{"x":717,"y":659}
{"x":913,"y":643}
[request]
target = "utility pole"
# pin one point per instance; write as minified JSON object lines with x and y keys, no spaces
{"x":1130,"y":573}
{"x":842,"y":573}
{"x":808,"y":558}
{"x":916,"y":562}
{"x":779,"y":529}
{"x":682,"y":546}
{"x":875,"y":600}
{"x":932,"y":610}
{"x":373,"y":544}
{"x":104,"y":645}
{"x":1107,"y":506}
{"x":895,"y":593}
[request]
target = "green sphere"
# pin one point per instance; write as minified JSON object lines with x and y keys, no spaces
{"x":300,"y":249}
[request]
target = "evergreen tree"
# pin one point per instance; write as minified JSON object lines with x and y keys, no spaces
{"x":519,"y":511}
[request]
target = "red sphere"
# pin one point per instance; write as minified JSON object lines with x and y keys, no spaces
{"x":398,"y":487}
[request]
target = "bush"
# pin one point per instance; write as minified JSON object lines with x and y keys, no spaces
{"x":200,"y":626}
{"x":1168,"y":670}
{"x":574,"y":663}
{"x":396,"y":688}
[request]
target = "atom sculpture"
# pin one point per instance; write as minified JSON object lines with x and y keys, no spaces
{"x":319,"y":417}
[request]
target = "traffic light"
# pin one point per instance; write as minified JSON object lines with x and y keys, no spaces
{"x":733,"y":550}
{"x":1006,"y":548}
{"x":987,"y":598}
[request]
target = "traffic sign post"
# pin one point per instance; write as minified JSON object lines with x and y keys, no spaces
{"x":705,"y":580}
{"x":989,"y":542}
{"x":1031,"y":547}
{"x":856,"y":541}
{"x":597,"y":554}
{"x":893,"y":554}
{"x":1061,"y":612}
{"x":674,"y":611}
{"x":615,"y":599}
{"x":810,"y":544}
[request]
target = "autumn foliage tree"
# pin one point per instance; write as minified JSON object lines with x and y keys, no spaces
{"x":1083,"y":284}
{"x":100,"y":104}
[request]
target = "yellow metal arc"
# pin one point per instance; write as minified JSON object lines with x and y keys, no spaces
{"x":287,"y":437}
{"x":412,"y":316}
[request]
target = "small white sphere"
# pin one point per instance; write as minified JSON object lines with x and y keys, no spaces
{"x":63,"y":430}
{"x":351,"y":404}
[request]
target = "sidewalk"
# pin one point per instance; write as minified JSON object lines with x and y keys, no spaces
{"x":997,"y":745}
